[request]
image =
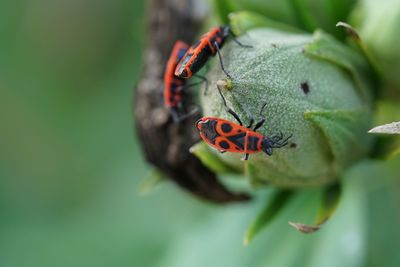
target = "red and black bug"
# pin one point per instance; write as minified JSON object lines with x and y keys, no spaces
{"x":174,"y":86}
{"x":208,"y":45}
{"x":232,"y":137}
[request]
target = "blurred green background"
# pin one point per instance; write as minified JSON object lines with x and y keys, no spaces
{"x":70,"y":166}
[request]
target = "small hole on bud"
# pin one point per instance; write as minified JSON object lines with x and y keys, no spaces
{"x":293,"y":145}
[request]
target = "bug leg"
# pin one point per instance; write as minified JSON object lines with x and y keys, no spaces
{"x":204,"y":80}
{"x":251,"y":123}
{"x":262,"y":109}
{"x":179,"y":118}
{"x":222,"y":151}
{"x":179,"y":89}
{"x":191,"y":113}
{"x":175,"y":116}
{"x":277,"y":138}
{"x":286,"y":141}
{"x":193,"y":84}
{"x":220,"y":61}
{"x":261,"y":122}
{"x":229,"y":110}
{"x":246,"y":157}
{"x":236,"y":116}
{"x":237,"y":41}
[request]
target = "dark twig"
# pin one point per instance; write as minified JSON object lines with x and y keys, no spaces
{"x":166,"y":144}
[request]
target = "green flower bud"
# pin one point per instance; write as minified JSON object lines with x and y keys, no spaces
{"x":313,"y":87}
{"x":378,"y":25}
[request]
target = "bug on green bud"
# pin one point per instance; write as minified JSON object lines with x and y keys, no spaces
{"x":313,"y":87}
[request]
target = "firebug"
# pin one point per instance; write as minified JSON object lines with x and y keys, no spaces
{"x":226,"y":135}
{"x":174,"y":86}
{"x":208,"y":45}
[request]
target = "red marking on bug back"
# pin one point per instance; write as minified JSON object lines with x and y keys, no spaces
{"x":198,"y":54}
{"x":173,"y":85}
{"x":225,"y":135}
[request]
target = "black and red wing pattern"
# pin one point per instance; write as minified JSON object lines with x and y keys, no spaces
{"x":228,"y":136}
{"x":198,"y":54}
{"x":173,"y":85}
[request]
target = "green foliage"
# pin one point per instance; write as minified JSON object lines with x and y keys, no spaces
{"x":329,"y":202}
{"x":378,"y":25}
{"x":212,"y":160}
{"x":245,"y":20}
{"x":70,"y":169}
{"x":342,"y":130}
{"x":151,"y":182}
{"x":268,"y":213}
{"x":330,"y":121}
{"x":307,"y":15}
{"x":362,"y":233}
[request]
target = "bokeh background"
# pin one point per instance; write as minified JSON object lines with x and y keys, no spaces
{"x":70,"y":165}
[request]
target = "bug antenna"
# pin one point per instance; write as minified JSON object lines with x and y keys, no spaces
{"x":262,"y":108}
{"x":234,"y":38}
{"x":229,"y":110}
{"x":222,"y":96}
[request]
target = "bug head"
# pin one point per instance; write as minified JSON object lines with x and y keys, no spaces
{"x":203,"y":124}
{"x":226,"y":31}
{"x":184,"y":74}
{"x":275,"y":141}
{"x":199,"y":124}
{"x":206,"y":127}
{"x":181,"y":70}
{"x":266,"y":146}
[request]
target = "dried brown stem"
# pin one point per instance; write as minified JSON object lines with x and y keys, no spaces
{"x":165,"y":144}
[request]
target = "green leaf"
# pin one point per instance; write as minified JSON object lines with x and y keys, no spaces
{"x":329,"y":202}
{"x":386,"y":111}
{"x":245,"y":20}
{"x":387,"y":145}
{"x":353,"y":35}
{"x":395,"y":153}
{"x":343,"y":239}
{"x":317,"y":14}
{"x":342,"y":129}
{"x":305,"y":15}
{"x":281,"y":11}
{"x":224,"y":8}
{"x":202,"y":151}
{"x":379,"y":29}
{"x":380,"y":182}
{"x":270,"y":211}
{"x":150,"y":182}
